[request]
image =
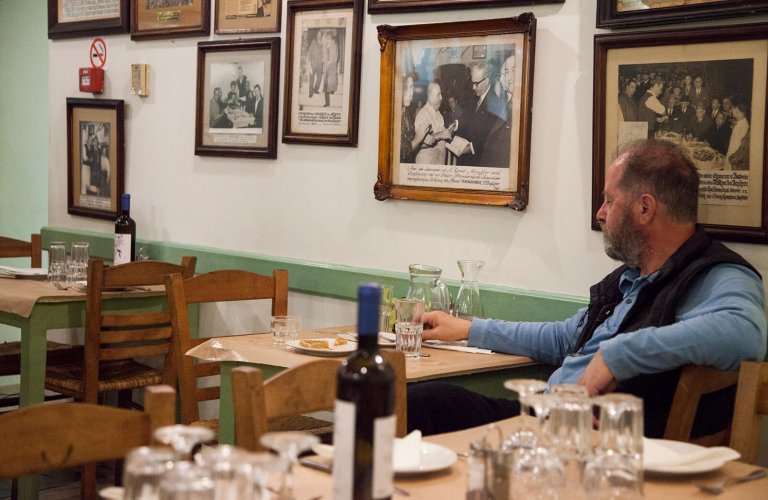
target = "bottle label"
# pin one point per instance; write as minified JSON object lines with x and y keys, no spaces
{"x":383,"y":444}
{"x":122,"y":249}
{"x":343,"y":449}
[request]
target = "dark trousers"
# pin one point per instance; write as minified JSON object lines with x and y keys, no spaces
{"x":437,"y":407}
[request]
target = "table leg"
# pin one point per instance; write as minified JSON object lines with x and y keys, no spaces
{"x":31,"y":391}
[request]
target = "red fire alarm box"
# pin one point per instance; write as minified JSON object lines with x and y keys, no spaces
{"x":92,"y":80}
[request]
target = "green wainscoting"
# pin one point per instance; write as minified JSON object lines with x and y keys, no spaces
{"x":330,"y":280}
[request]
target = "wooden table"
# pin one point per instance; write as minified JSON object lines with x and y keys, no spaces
{"x":36,"y":307}
{"x":483,"y":372}
{"x":452,"y":483}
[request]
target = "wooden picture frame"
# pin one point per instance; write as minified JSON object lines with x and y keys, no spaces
{"x":388,"y":6}
{"x":474,"y":146}
{"x":242,"y":119}
{"x":154,"y":19}
{"x":630,"y":13}
{"x":724,"y":71}
{"x":235,"y":16}
{"x":322,"y":100}
{"x":72,"y":18}
{"x":95,"y":157}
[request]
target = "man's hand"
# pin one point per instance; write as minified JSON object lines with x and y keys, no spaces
{"x":441,"y":326}
{"x":597,"y":377}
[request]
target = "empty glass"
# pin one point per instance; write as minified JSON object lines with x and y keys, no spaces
{"x":570,"y":431}
{"x":468,"y":304}
{"x":187,"y":481}
{"x":409,"y":326}
{"x":289,"y":445}
{"x":143,"y":470}
{"x":525,"y":436}
{"x":284,"y":329}
{"x":386,"y":318}
{"x":78,"y":262}
{"x":183,"y":438}
{"x":538,"y":474}
{"x":231,"y":470}
{"x":267,"y":472}
{"x":57,"y":261}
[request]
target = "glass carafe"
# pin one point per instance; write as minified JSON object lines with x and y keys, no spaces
{"x":425,"y":284}
{"x":468,"y":304}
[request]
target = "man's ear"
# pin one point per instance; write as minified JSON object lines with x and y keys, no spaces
{"x":647,"y":206}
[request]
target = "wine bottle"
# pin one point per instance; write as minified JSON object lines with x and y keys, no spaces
{"x":364,"y":421}
{"x":125,"y":233}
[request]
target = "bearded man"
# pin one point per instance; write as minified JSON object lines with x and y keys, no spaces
{"x":679,"y":298}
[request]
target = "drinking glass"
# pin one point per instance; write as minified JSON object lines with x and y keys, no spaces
{"x":142,"y":253}
{"x":231,"y":471}
{"x":187,"y":481}
{"x":267,"y":471}
{"x":570,"y":430}
{"x":538,"y":474}
{"x":284,"y":329}
{"x":57,"y":261}
{"x":468,"y":304}
{"x":288,"y":445}
{"x":183,"y":438}
{"x":616,"y":470}
{"x":143,"y":469}
{"x":409,"y":325}
{"x":385,"y":310}
{"x":78,"y":263}
{"x":524,"y":437}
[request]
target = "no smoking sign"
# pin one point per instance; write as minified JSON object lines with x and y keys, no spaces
{"x":98,"y":53}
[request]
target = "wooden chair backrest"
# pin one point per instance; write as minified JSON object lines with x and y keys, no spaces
{"x":45,"y":437}
{"x":116,"y":336}
{"x":696,"y":381}
{"x":751,"y":404}
{"x":33,"y":249}
{"x":302,"y":389}
{"x":215,"y":286}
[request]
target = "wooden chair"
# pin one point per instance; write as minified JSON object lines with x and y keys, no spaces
{"x":45,"y":437}
{"x":302,"y":389}
{"x":215,"y":286}
{"x":113,"y":342}
{"x":10,"y":352}
{"x":696,"y":381}
{"x":751,"y":404}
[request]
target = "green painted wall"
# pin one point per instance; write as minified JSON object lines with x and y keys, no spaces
{"x":23,"y":122}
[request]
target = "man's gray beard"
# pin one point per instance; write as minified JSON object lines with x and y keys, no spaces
{"x":626,"y":244}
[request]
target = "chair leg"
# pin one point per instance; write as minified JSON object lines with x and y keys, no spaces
{"x":125,"y":399}
{"x":119,"y":472}
{"x":88,"y":482}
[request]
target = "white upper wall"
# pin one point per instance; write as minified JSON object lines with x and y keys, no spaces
{"x":316,"y":203}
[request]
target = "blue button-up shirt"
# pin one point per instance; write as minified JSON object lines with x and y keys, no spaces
{"x":720,"y":322}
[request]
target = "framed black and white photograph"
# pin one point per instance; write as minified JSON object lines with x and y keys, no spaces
{"x":455,"y":103}
{"x":704,"y":90}
{"x":629,"y":13}
{"x":81,"y":18}
{"x":253,"y":16}
{"x":237,"y":95}
{"x":388,"y":6}
{"x":323,"y":72}
{"x":95,"y":152}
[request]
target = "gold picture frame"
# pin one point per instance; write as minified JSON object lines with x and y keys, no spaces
{"x":154,"y":19}
{"x":235,"y":16}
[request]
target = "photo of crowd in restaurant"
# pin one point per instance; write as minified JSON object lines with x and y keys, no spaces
{"x":95,"y":169}
{"x":237,"y":101}
{"x":704,"y":106}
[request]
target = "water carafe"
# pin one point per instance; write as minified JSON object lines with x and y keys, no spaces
{"x":468,"y":304}
{"x":425,"y":284}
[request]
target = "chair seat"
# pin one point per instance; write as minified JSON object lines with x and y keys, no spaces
{"x":113,"y":376}
{"x":57,"y":353}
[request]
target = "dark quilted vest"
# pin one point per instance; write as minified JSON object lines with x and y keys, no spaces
{"x":656,"y":305}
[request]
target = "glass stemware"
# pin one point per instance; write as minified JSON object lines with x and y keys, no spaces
{"x":230,"y":469}
{"x":144,"y":467}
{"x":263,"y":467}
{"x":468,"y":304}
{"x":183,"y":438}
{"x":187,"y":481}
{"x":288,"y":445}
{"x":524,"y":437}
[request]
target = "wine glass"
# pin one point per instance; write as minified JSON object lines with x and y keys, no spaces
{"x":288,"y":445}
{"x":183,"y":438}
{"x":230,"y":469}
{"x":187,"y":481}
{"x":263,"y":467}
{"x":143,"y":470}
{"x":524,"y":437}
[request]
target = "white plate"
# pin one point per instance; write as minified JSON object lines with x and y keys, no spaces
{"x":433,"y":458}
{"x":682,"y":448}
{"x":335,"y":350}
{"x":111,"y":493}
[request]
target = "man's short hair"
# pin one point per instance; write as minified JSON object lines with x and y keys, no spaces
{"x":663,"y":170}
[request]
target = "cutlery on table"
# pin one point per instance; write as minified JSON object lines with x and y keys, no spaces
{"x":719,"y":487}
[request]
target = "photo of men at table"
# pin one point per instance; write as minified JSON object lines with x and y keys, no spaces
{"x":705,"y":104}
{"x":242,"y":106}
{"x":95,"y":169}
{"x":456,"y":109}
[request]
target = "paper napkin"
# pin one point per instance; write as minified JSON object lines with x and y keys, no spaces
{"x":407,"y":451}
